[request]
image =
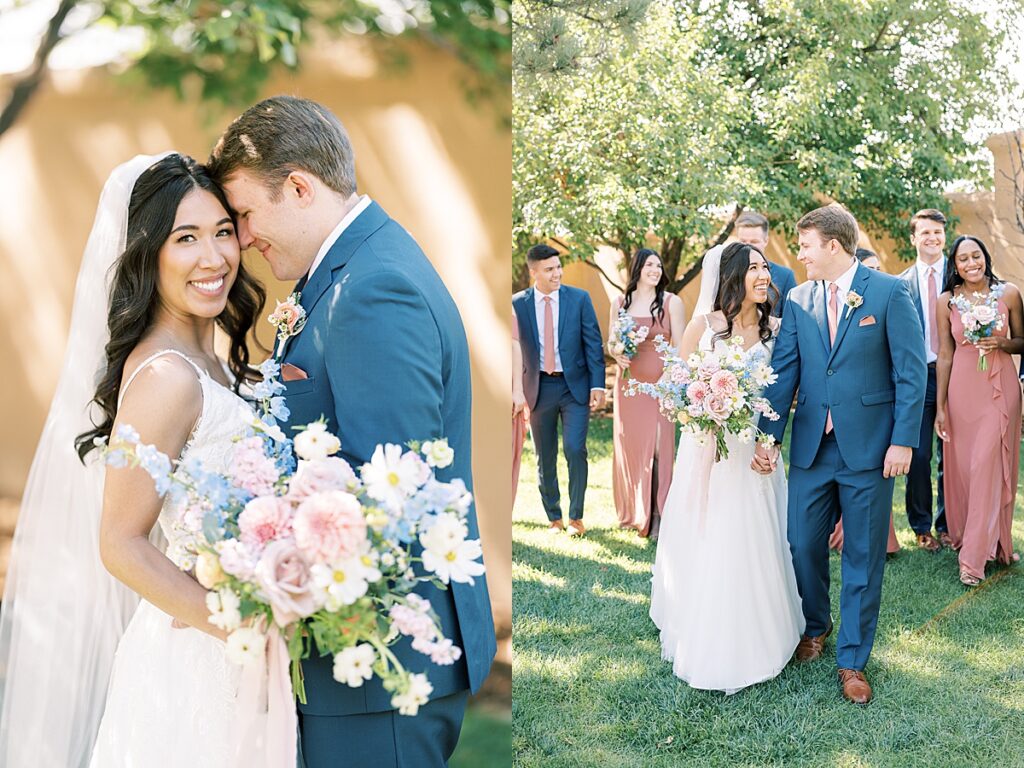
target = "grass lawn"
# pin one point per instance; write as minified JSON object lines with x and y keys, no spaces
{"x":485,"y":741}
{"x":590,"y":688}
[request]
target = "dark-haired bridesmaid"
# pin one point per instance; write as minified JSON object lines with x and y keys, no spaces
{"x":978,"y":406}
{"x":644,"y":440}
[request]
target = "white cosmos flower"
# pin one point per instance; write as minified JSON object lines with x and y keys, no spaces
{"x":392,"y":476}
{"x":246,"y":645}
{"x":764,"y":375}
{"x":354,"y":666}
{"x":225,"y":609}
{"x":415,"y":696}
{"x":448,"y":554}
{"x":315,"y":442}
{"x":344,"y":581}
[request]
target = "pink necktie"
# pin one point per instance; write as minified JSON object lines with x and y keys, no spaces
{"x":833,"y":323}
{"x":933,"y":332}
{"x":549,"y":337}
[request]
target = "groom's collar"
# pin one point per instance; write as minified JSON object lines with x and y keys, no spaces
{"x":365,"y":224}
{"x":361,"y":205}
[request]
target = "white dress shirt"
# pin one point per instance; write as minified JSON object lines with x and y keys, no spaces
{"x":361,"y":205}
{"x":922,"y":286}
{"x":538,"y":303}
{"x":844,"y":281}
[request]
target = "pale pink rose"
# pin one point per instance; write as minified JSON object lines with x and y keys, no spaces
{"x":697,"y":391}
{"x":283,"y":577}
{"x":286,"y":313}
{"x":724,"y":383}
{"x":707,"y":367}
{"x":717,"y":407}
{"x":678,"y":374}
{"x":329,"y":525}
{"x":251,"y":469}
{"x":263,"y":520}
{"x":330,"y":474}
{"x":984,"y":314}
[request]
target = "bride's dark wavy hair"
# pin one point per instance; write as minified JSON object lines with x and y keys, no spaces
{"x":732,"y":289}
{"x":134,"y":297}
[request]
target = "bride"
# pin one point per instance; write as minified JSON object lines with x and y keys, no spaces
{"x":724,"y":594}
{"x":141,"y":354}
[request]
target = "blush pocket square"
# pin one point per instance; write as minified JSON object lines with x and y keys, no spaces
{"x":869,"y":320}
{"x":291,"y":372}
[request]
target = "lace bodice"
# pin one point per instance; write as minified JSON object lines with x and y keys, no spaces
{"x":222,"y":419}
{"x":760,"y":347}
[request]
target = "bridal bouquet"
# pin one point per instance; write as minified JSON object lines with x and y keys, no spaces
{"x":626,"y":336}
{"x":316,"y":550}
{"x":981,"y":320}
{"x":714,"y":393}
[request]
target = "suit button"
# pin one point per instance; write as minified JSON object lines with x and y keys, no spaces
{"x":830,"y":371}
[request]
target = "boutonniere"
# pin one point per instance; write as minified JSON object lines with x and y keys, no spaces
{"x":853,"y":300}
{"x":289,"y":318}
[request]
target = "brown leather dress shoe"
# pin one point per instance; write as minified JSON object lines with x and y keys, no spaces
{"x":928,"y":542}
{"x":810,"y":648}
{"x":556,"y":526}
{"x":576,"y":528}
{"x":855,"y":686}
{"x":946,"y":540}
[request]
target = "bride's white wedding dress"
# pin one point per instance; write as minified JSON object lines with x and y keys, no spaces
{"x":172,"y":696}
{"x":724,"y":593}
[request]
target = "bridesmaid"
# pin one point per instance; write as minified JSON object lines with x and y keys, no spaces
{"x":644,"y":439}
{"x":978,"y":412}
{"x":870,"y":260}
{"x":520,"y":413}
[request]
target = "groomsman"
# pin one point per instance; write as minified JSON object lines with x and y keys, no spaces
{"x":563,"y":378}
{"x":924,"y":279}
{"x":751,"y":228}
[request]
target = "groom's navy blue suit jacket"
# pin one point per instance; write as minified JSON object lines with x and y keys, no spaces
{"x":873,"y":377}
{"x":386,"y":355}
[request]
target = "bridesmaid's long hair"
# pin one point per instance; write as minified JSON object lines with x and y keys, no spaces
{"x":952,"y":278}
{"x":732,"y":289}
{"x":635,"y":269}
{"x":133,"y":293}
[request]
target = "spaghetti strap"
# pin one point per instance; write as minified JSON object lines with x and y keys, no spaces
{"x":149,"y":360}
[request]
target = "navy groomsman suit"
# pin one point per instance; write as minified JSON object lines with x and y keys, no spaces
{"x":784,"y":280}
{"x":564,"y":393}
{"x":919,"y":479}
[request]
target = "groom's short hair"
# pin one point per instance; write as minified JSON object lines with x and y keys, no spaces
{"x":283,"y":134}
{"x":833,"y":222}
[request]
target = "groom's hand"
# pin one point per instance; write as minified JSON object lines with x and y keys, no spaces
{"x":765,"y":459}
{"x":897,"y":460}
{"x":596,"y":399}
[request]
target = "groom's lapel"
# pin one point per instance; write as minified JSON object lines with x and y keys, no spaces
{"x":859,"y":284}
{"x":364,"y":225}
{"x":818,"y":310}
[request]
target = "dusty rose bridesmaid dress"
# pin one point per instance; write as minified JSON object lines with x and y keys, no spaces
{"x":835,"y":541}
{"x":639,"y":429}
{"x":518,"y":426}
{"x":983,"y":452}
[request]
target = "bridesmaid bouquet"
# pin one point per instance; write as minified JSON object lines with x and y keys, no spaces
{"x":714,"y":393}
{"x":294,"y":552}
{"x":980,"y":320}
{"x":626,"y":336}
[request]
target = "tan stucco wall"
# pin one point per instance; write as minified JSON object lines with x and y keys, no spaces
{"x":439,"y":166}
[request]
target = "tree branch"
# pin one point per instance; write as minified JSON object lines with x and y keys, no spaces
{"x":721,"y":237}
{"x":24,"y":88}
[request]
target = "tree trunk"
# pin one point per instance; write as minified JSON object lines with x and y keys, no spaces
{"x":677,"y":285}
{"x":26,"y":86}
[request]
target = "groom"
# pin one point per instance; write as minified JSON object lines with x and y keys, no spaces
{"x":850,"y":344}
{"x":383,"y":356}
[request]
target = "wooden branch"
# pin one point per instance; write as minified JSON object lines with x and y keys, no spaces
{"x":26,"y":86}
{"x":723,"y":234}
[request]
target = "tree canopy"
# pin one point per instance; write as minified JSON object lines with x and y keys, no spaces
{"x":223,"y":51}
{"x":712,"y":106}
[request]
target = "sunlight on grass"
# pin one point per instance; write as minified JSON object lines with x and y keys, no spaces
{"x":591,"y":689}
